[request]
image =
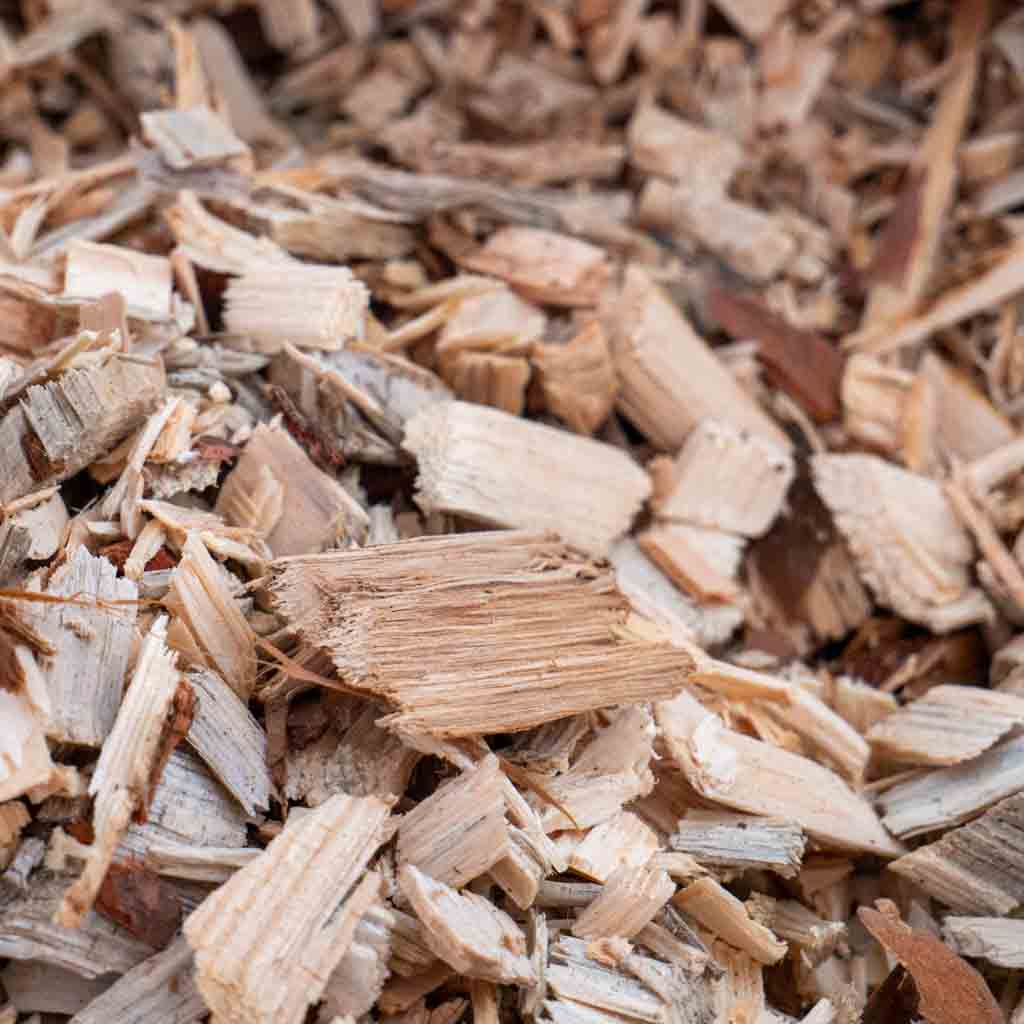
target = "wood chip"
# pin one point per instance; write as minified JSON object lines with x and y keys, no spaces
{"x":191,"y":138}
{"x":456,"y":444}
{"x":995,"y":939}
{"x":669,"y":379}
{"x":367,"y":636}
{"x":247,"y":922}
{"x":630,"y":899}
{"x":740,"y":842}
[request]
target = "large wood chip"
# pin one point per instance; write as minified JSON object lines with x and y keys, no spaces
{"x":630,"y":900}
{"x":375,"y":610}
{"x":999,"y":940}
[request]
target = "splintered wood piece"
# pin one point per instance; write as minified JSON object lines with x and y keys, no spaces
{"x":973,"y":868}
{"x":669,"y":378}
{"x":52,"y":430}
{"x":875,"y":396}
{"x":488,"y":379}
{"x":267,"y":941}
{"x":578,"y":379}
{"x":459,"y":831}
{"x":622,"y":840}
{"x":754,"y":244}
{"x":492,"y":591}
{"x":793,"y":922}
{"x":28,"y":325}
{"x":232,"y":743}
{"x":276,"y":488}
{"x":467,"y":931}
{"x":159,"y":989}
{"x":630,"y":899}
{"x":799,"y":361}
{"x":28,"y":931}
{"x":612,"y":770}
{"x":739,"y":842}
{"x":31,"y":529}
{"x":702,"y":563}
{"x":665,"y":145}
{"x":589,"y":991}
{"x":94,"y":270}
{"x":357,"y":981}
{"x":758,"y":778}
{"x":949,"y":724}
{"x":950,"y":990}
{"x":904,"y":265}
{"x":488,"y":316}
{"x":25,"y":763}
{"x":721,"y":913}
{"x":91,"y":647}
{"x":998,"y":940}
{"x":124,"y":776}
{"x":655,"y":596}
{"x":951,"y":796}
{"x":189,"y":809}
{"x":506,"y":471}
{"x":316,"y":307}
{"x":212,"y":864}
{"x":910,"y":548}
{"x":208,"y":627}
{"x":723,"y":479}
{"x":738,"y":994}
{"x":190,"y":138}
{"x":543,"y":266}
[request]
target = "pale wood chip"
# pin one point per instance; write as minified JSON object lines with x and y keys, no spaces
{"x":998,"y":940}
{"x":267,"y":940}
{"x":357,"y":981}
{"x":92,"y":270}
{"x":369,"y":637}
{"x":740,"y":842}
{"x":630,"y":900}
{"x":459,"y":831}
{"x":623,"y":840}
{"x":467,"y":931}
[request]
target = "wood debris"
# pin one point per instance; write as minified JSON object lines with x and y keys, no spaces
{"x":332,"y":844}
{"x":589,"y":429}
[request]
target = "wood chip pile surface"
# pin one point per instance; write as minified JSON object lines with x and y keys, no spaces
{"x":511,"y":510}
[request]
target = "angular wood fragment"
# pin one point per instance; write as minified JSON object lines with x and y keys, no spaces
{"x":30,"y":324}
{"x":669,"y":378}
{"x":543,"y":266}
{"x":31,"y":529}
{"x":753,"y":19}
{"x":950,"y":989}
{"x":229,"y":740}
{"x":267,"y":940}
{"x":665,"y":145}
{"x":92,"y":645}
{"x":25,"y":764}
{"x":34,"y":986}
{"x":793,"y":922}
{"x":630,"y":899}
{"x":908,"y":544}
{"x":190,"y":138}
{"x":948,"y":725}
{"x":356,"y":983}
{"x":951,"y":796}
{"x":671,"y":548}
{"x":467,"y":931}
{"x":999,"y":940}
{"x":758,"y":778}
{"x":488,"y":379}
{"x":123,"y":780}
{"x":505,"y":471}
{"x":49,"y":431}
{"x":208,"y":628}
{"x":213,"y":864}
{"x":28,"y":931}
{"x":578,"y":379}
{"x":972,"y":869}
{"x":740,"y":841}
{"x":306,"y":306}
{"x":189,"y":808}
{"x":459,"y":831}
{"x":543,"y":676}
{"x":273,"y":475}
{"x":621,"y":840}
{"x":720,"y":912}
{"x":143,"y":281}
{"x":723,"y":479}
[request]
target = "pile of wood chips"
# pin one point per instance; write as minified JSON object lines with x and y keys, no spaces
{"x":511,"y":510}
